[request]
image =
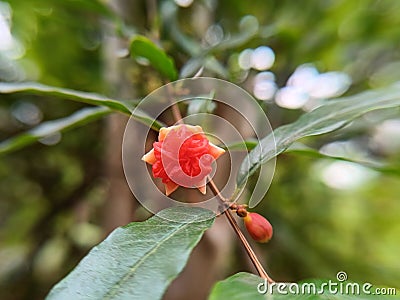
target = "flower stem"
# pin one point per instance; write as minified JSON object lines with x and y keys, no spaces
{"x":250,"y":252}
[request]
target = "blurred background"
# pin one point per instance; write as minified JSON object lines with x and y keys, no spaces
{"x":63,"y":195}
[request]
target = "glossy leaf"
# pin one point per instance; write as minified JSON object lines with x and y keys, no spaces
{"x":143,"y":47}
{"x":244,"y":286}
{"x":332,"y":116}
{"x":245,"y":145}
{"x":48,"y":128}
{"x":84,"y":97}
{"x":39,"y":89}
{"x":300,"y":148}
{"x":137,"y":261}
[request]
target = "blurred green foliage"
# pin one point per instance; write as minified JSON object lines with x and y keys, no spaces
{"x":319,"y":230}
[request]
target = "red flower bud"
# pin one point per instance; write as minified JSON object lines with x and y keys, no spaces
{"x":258,"y":227}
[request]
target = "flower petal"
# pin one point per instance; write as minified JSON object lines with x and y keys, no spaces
{"x":170,"y":187}
{"x":216,"y":151}
{"x":202,"y":189}
{"x":195,"y":129}
{"x":202,"y":186}
{"x":163,"y":133}
{"x":149,"y":157}
{"x":165,"y":130}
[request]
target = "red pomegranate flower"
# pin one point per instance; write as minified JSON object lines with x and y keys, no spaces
{"x":182,"y":157}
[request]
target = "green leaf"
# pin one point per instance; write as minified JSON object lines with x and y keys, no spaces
{"x":137,"y":261}
{"x":83,"y":97}
{"x":209,"y":62}
{"x":143,"y":47}
{"x":48,"y":128}
{"x":197,"y":106}
{"x":202,"y":105}
{"x":332,"y":116}
{"x":300,"y":148}
{"x":245,"y":145}
{"x":239,"y":286}
{"x":95,"y":6}
{"x":191,"y":67}
{"x":244,"y":286}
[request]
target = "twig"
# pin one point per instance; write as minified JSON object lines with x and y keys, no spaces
{"x":250,"y":252}
{"x":175,"y":109}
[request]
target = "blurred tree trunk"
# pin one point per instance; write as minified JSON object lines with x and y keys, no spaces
{"x":120,"y":203}
{"x":208,"y":258}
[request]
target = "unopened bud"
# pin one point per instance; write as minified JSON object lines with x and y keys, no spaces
{"x":258,"y":227}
